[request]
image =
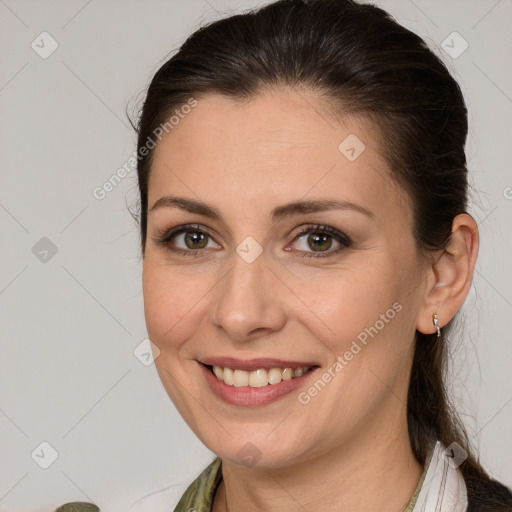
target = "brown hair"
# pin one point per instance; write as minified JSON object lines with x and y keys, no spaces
{"x":363,"y":62}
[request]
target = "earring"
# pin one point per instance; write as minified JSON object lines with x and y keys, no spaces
{"x":436,"y":325}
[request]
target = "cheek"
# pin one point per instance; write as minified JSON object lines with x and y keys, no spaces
{"x":354,"y":300}
{"x":370,"y":317}
{"x":171,"y":303}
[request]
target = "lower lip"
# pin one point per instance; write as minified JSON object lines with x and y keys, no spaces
{"x":252,"y":397}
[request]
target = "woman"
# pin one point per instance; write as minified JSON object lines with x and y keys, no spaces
{"x":306,"y":248}
{"x":303,"y":193}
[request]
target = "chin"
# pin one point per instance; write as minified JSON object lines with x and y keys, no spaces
{"x":256,"y":449}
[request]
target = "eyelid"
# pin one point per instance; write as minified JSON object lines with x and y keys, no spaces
{"x":339,"y":236}
{"x":322,"y":228}
{"x":164,"y":236}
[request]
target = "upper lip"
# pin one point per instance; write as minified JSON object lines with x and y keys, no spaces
{"x":253,"y":364}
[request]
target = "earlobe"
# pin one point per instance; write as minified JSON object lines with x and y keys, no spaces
{"x":452,"y":274}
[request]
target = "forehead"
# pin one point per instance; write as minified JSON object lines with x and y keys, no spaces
{"x":279,"y":145}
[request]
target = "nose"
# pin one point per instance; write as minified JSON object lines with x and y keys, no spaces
{"x":248,"y":303}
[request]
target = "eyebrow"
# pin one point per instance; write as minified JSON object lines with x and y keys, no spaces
{"x":278,"y":213}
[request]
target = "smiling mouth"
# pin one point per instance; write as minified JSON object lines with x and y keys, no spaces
{"x":257,"y":378}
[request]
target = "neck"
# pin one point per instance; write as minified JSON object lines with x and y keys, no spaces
{"x":371,"y":471}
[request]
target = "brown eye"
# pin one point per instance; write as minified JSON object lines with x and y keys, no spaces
{"x":187,"y":240}
{"x":195,"y":240}
{"x":316,"y":242}
{"x":319,"y":241}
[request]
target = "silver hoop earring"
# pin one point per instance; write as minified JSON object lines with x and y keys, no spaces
{"x":436,"y":325}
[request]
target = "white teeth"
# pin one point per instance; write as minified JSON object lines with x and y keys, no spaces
{"x":257,"y":378}
{"x":240,"y":378}
{"x":218,"y":372}
{"x":227,"y":375}
{"x":287,"y":374}
{"x":275,"y":376}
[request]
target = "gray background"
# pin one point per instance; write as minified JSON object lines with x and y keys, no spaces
{"x":71,"y":321}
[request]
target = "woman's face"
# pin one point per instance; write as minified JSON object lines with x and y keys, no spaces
{"x":269,"y":278}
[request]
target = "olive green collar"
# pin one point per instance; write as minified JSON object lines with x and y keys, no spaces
{"x":200,"y":494}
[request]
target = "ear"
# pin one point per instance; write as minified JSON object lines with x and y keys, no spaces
{"x":451,"y":275}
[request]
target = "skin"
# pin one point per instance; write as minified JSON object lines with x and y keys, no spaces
{"x":348,"y":448}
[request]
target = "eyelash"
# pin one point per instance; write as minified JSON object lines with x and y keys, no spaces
{"x":165,"y":238}
{"x":320,"y":229}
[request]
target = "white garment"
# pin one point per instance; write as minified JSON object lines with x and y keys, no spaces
{"x":443,"y":489}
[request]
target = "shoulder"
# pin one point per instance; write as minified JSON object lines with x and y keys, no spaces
{"x":201,"y":492}
{"x":489,"y":496}
{"x":78,"y":507}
